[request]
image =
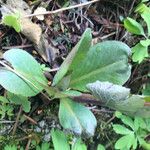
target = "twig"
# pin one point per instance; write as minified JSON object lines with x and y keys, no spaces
{"x":132,"y":4}
{"x":6,"y":121}
{"x":28,"y":144}
{"x":110,"y":120}
{"x":62,"y":9}
{"x":30,"y":119}
{"x":17,"y":120}
{"x":20,"y":46}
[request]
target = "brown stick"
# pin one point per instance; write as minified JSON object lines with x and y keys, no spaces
{"x":62,"y":9}
{"x":30,"y":119}
{"x":17,"y":120}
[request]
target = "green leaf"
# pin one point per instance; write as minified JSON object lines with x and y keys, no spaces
{"x":145,"y":43}
{"x":133,"y":26}
{"x":75,"y":57}
{"x":79,"y":145}
{"x":120,"y":129}
{"x":127,"y":121}
{"x":139,"y":123}
{"x":125,"y":142}
{"x":59,"y":140}
{"x":118,"y":98}
{"x":145,"y":16}
{"x":139,"y":53}
{"x":106,"y":61}
{"x":100,"y":147}
{"x":76,"y":117}
{"x":44,"y":146}
{"x":144,"y":11}
{"x":26,"y":78}
{"x":145,"y":1}
{"x":3,"y":99}
{"x":108,"y":92}
{"x":10,"y":147}
{"x":141,"y":8}
{"x":135,"y":143}
{"x":20,"y":100}
{"x":12,"y":20}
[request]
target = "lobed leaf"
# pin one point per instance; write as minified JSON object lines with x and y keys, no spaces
{"x":139,"y":52}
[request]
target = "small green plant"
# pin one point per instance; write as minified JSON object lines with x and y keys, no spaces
{"x":25,"y":77}
{"x":133,"y":132}
{"x":22,"y":76}
{"x":12,"y":20}
{"x":59,"y":139}
{"x":140,"y":50}
{"x":5,"y":108}
{"x":43,"y":146}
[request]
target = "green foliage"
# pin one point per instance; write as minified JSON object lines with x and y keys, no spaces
{"x":77,"y":54}
{"x":100,"y":147}
{"x":26,"y":78}
{"x":19,"y":100}
{"x":76,"y":117}
{"x":43,"y":146}
{"x":59,"y":140}
{"x":134,"y":131}
{"x":83,"y":71}
{"x":79,"y":145}
{"x":133,"y":26}
{"x":10,"y":147}
{"x":119,"y":98}
{"x":108,"y":62}
{"x":5,"y":108}
{"x":12,"y":20}
{"x":140,"y":50}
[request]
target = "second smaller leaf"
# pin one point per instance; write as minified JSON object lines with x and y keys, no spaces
{"x":133,"y":26}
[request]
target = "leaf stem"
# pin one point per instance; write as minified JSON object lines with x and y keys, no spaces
{"x":87,"y":98}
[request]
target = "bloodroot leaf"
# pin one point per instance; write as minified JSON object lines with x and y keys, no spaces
{"x":76,"y":117}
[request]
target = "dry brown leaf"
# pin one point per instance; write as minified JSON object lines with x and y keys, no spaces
{"x":31,"y":30}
